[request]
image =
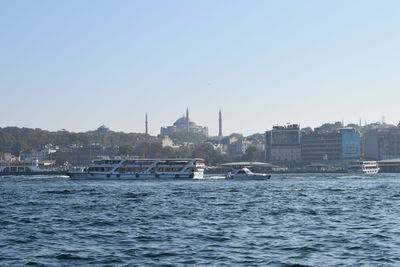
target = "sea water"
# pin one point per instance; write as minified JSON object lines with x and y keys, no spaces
{"x":290,"y":220}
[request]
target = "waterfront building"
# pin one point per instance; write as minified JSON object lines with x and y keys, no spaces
{"x":351,"y":143}
{"x":282,"y":145}
{"x":370,"y":144}
{"x":317,"y":147}
{"x":337,"y":146}
{"x":184,"y":124}
{"x":389,"y":165}
{"x":382,"y":143}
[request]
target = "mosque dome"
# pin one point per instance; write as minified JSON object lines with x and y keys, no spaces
{"x":184,"y":125}
{"x":180,"y":121}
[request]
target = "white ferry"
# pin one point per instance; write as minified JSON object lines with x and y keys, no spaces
{"x":19,"y":169}
{"x":366,"y":167}
{"x":142,"y":169}
{"x":26,"y":168}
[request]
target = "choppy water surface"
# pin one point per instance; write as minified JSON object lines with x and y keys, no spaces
{"x":291,"y":220}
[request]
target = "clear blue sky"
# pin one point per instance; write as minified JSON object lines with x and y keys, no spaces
{"x":79,"y":64}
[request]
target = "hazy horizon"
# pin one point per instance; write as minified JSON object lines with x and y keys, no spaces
{"x":76,"y":65}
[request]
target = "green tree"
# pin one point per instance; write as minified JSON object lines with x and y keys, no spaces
{"x":183,"y":152}
{"x":125,"y":150}
{"x":142,"y":150}
{"x":168,"y":152}
{"x":252,"y":154}
{"x":155,"y":150}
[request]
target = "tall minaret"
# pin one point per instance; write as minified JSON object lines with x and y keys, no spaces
{"x":147,"y":124}
{"x":187,"y":119}
{"x":220,"y":125}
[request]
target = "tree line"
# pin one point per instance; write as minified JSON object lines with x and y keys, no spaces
{"x":14,"y":140}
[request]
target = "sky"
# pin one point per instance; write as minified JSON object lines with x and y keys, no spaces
{"x":76,"y":65}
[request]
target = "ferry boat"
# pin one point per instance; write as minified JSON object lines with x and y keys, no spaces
{"x":366,"y":167}
{"x":136,"y":168}
{"x":240,"y":170}
{"x":26,"y":169}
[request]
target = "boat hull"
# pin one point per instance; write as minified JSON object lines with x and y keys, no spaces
{"x":35,"y":173}
{"x":135,"y":176}
{"x":249,"y":177}
{"x":370,"y":171}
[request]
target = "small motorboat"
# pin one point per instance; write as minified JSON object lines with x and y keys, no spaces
{"x":240,"y":170}
{"x":245,"y":173}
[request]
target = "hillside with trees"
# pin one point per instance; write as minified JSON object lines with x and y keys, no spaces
{"x":14,"y":139}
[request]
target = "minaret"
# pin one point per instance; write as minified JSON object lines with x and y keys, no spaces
{"x":147,"y":125}
{"x":187,"y":119}
{"x":220,"y":125}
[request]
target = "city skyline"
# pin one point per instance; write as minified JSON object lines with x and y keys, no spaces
{"x":199,"y":133}
{"x":220,"y":123}
{"x":77,"y":65}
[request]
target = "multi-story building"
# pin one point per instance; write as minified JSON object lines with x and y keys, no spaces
{"x":338,"y":146}
{"x":321,"y":147}
{"x":282,"y":145}
{"x":382,"y":143}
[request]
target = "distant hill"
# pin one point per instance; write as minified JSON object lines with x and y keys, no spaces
{"x":14,"y":139}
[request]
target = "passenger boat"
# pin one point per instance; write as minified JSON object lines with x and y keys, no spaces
{"x":365,"y":167}
{"x":26,"y":169}
{"x":240,"y":170}
{"x":135,"y":168}
{"x":14,"y":169}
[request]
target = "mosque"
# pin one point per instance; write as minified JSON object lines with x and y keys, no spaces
{"x":184,"y":124}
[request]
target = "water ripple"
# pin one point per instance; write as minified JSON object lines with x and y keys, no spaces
{"x":291,"y":220}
